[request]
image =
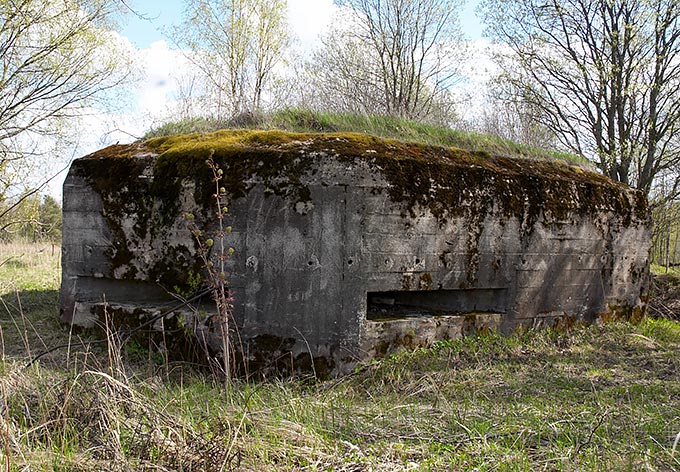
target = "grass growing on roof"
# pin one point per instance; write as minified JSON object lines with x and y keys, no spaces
{"x":307,"y":121}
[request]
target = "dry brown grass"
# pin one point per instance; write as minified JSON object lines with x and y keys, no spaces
{"x":603,"y":397}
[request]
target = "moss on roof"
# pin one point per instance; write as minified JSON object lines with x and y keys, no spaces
{"x":439,"y":178}
{"x":144,"y":182}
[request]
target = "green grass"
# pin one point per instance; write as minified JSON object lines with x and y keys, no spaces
{"x":29,"y":280}
{"x":657,"y":269}
{"x":597,"y":398}
{"x":298,"y":120}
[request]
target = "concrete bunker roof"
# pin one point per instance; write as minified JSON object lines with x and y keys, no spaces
{"x":438,"y":178}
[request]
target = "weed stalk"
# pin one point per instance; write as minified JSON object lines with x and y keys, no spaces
{"x":5,"y":407}
{"x":216,"y":273}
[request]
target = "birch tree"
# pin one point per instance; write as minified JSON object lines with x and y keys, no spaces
{"x":604,"y":76}
{"x":236,"y":44}
{"x":397,"y":57}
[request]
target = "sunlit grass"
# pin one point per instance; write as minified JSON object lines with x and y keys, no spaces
{"x":657,"y":269}
{"x":29,"y":266}
{"x":307,"y":121}
{"x":596,"y":398}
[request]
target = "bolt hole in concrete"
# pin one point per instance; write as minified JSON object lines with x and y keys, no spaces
{"x":350,"y":262}
{"x":382,"y":306}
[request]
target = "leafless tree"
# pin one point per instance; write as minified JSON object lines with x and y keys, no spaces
{"x":514,"y":120}
{"x":604,"y":76}
{"x":397,"y":57}
{"x":343,"y":75}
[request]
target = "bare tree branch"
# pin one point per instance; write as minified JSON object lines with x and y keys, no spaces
{"x":236,"y":44}
{"x":604,"y":76}
{"x":394,"y":57}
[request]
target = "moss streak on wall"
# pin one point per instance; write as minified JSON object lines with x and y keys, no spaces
{"x":440,"y":179}
{"x":449,"y":182}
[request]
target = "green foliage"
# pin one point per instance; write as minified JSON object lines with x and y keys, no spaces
{"x":237,"y":45}
{"x":49,"y":219}
{"x":665,"y":233}
{"x":60,"y":61}
{"x":34,"y":219}
{"x":657,"y":269}
{"x":662,"y":330}
{"x":193,"y":283}
{"x":300,"y":120}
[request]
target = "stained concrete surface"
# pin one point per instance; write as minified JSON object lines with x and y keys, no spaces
{"x":336,"y":263}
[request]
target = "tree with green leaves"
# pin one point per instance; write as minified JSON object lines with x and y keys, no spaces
{"x":603,"y":76}
{"x":49,"y":220}
{"x":237,"y":45}
{"x":33,"y":218}
{"x":58,"y":62}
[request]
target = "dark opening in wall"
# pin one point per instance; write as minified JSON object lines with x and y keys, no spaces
{"x":410,"y":304}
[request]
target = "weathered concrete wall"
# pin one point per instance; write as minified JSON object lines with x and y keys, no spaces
{"x":348,"y":247}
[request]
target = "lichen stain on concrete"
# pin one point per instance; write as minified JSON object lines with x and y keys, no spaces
{"x":350,"y":246}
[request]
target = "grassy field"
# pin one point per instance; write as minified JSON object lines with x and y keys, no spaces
{"x":597,"y":398}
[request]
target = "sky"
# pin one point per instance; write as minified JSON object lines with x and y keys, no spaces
{"x":145,"y":35}
{"x":158,"y":58}
{"x":308,"y":18}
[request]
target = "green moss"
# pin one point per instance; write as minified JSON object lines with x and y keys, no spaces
{"x":114,"y":174}
{"x":241,"y":154}
{"x":449,"y":182}
{"x":310,"y":121}
{"x":522,"y":188}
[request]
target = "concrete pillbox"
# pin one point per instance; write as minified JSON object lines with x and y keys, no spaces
{"x":348,"y":246}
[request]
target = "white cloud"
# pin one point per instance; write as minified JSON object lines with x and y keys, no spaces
{"x":148,"y":100}
{"x":161,"y":65}
{"x":308,"y":19}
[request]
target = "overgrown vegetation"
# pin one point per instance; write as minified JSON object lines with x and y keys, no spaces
{"x":596,"y":398}
{"x":281,"y":158}
{"x":665,"y":292}
{"x":216,"y":273}
{"x":307,"y":121}
{"x":30,"y":218}
{"x":282,"y":161}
